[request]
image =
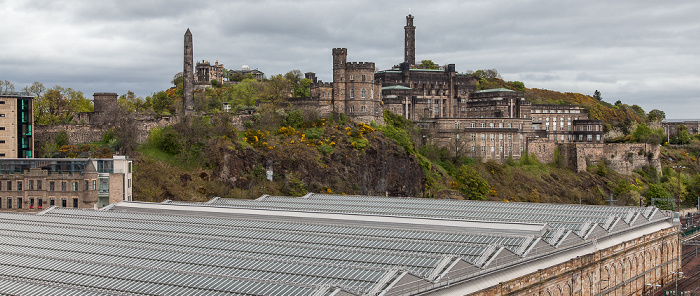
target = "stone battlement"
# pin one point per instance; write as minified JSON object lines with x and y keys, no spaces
{"x":360,"y":65}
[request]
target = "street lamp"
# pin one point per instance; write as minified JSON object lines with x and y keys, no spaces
{"x":652,"y":288}
{"x":678,"y":170}
{"x":676,"y":275}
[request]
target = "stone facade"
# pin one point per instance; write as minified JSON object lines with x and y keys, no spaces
{"x":623,"y":158}
{"x":39,"y":183}
{"x":671,"y":127}
{"x":623,"y":269}
{"x":207,"y":72}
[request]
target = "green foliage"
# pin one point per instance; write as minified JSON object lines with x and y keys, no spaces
{"x":602,"y":168}
{"x":557,"y":159}
{"x":58,"y":104}
{"x":302,"y":89}
{"x":399,"y":129}
{"x":519,"y":86}
{"x":314,"y":133}
{"x":61,"y":138}
{"x":294,"y":186}
{"x":325,"y":149}
{"x":165,"y":139}
{"x":360,"y":143}
{"x":428,"y":64}
{"x":597,"y":96}
{"x":294,"y":118}
{"x":655,"y":191}
{"x":471,"y":184}
{"x":656,"y":115}
{"x":644,"y":134}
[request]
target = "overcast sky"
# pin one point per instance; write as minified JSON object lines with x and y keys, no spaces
{"x":638,"y":51}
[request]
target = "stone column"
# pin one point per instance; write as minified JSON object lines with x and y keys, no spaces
{"x":410,"y":46}
{"x":188,"y":76}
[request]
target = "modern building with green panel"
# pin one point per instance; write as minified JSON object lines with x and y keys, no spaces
{"x":16,"y":120}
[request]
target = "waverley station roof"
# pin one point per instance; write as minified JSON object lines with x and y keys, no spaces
{"x":318,"y":244}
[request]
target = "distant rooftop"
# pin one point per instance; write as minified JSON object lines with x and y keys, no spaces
{"x":395,"y":87}
{"x":494,"y":90}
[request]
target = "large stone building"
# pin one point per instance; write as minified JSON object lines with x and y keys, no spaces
{"x":36,"y":183}
{"x":446,"y":105}
{"x":207,"y":72}
{"x":323,"y":244}
{"x":16,"y":123}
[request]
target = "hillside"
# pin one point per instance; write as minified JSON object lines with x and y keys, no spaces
{"x":203,"y":158}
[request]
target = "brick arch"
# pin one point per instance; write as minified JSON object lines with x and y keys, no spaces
{"x":605,"y":277}
{"x":621,"y":270}
{"x":568,"y":289}
{"x":558,"y":291}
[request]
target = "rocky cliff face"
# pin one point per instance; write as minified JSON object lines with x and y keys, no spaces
{"x":381,"y":168}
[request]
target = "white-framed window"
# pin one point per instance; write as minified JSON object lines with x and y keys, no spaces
{"x":352,"y":93}
{"x":363,"y":93}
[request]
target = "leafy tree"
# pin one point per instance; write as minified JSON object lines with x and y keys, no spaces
{"x":487,"y":74}
{"x":302,"y":89}
{"x":656,"y":115}
{"x":597,"y":96}
{"x":656,"y":191}
{"x":428,"y":64}
{"x":471,"y":184}
{"x":519,"y":86}
{"x":177,"y":79}
{"x":683,"y":137}
{"x":7,"y":86}
{"x":36,"y":89}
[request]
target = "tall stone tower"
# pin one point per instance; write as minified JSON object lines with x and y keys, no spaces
{"x":188,"y":76}
{"x":340,"y":58}
{"x":410,"y":46}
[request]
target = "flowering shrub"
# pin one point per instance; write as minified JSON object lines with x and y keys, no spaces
{"x":286,"y":131}
{"x":257,"y":138}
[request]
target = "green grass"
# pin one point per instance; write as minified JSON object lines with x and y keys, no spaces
{"x":158,"y":154}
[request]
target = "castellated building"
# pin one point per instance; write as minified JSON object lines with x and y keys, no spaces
{"x":446,"y":105}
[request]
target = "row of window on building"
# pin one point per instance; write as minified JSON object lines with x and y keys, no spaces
{"x":39,"y":203}
{"x":493,"y":137}
{"x":493,"y":149}
{"x":557,"y":111}
{"x":19,"y":185}
{"x":363,"y":93}
{"x":490,"y":125}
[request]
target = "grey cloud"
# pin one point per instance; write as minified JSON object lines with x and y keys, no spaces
{"x":621,"y":47}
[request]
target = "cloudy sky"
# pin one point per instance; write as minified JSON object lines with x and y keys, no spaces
{"x":638,"y":51}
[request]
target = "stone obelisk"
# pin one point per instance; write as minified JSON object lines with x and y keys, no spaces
{"x":188,"y":76}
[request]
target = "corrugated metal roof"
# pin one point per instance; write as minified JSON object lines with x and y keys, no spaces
{"x":317,"y":245}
